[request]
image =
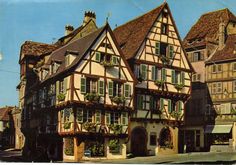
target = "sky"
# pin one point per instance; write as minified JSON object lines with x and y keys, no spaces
{"x":44,"y":21}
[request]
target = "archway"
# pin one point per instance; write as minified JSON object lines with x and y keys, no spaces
{"x":165,"y":138}
{"x":139,"y":141}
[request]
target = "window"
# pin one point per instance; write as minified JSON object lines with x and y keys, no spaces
{"x":154,"y":74}
{"x":98,"y":56}
{"x":110,"y":88}
{"x":137,"y":71}
{"x":196,"y":77}
{"x":153,"y":138}
{"x":93,"y":86}
{"x":219,"y":67}
{"x":101,"y":87}
{"x":163,"y":48}
{"x":83,"y":85}
{"x":117,"y":90}
{"x":177,"y":77}
{"x":115,"y":118}
{"x":171,"y":51}
{"x":67,"y":60}
{"x":196,"y":56}
{"x":179,"y":106}
{"x":115,"y":60}
{"x":124,"y":118}
{"x":163,"y":74}
{"x":169,"y":106}
{"x":157,"y":48}
{"x":140,"y":101}
{"x":44,"y":73}
{"x":87,"y":115}
{"x":79,"y":115}
{"x":127,"y":90}
{"x":61,"y":86}
{"x":234,"y":85}
{"x":153,"y":103}
{"x":164,"y":28}
{"x":216,"y":68}
{"x":108,"y":118}
{"x":143,"y":71}
{"x":234,"y":66}
{"x":97,"y":117}
{"x":162,"y":106}
{"x":217,"y":87}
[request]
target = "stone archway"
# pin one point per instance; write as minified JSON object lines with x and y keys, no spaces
{"x":166,"y":138}
{"x":139,"y":141}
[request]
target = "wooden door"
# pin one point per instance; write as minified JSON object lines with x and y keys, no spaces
{"x":139,"y":141}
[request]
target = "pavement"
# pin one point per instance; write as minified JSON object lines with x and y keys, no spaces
{"x":188,"y":158}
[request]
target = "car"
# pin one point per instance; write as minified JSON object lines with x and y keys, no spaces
{"x":87,"y":153}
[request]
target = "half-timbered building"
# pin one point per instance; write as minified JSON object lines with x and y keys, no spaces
{"x":153,"y":48}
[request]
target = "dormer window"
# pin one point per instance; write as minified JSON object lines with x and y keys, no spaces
{"x":70,"y":57}
{"x":44,"y":73}
{"x":54,"y":67}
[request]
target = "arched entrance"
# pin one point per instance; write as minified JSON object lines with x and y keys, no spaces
{"x":165,"y":138}
{"x":139,"y":141}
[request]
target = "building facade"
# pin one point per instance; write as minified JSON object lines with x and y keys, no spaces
{"x":82,"y":100}
{"x":153,"y":48}
{"x":204,"y":39}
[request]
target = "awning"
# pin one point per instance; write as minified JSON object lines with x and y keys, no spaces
{"x":218,"y":128}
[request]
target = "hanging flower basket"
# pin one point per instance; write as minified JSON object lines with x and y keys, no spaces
{"x":159,"y":82}
{"x":90,"y":127}
{"x":61,"y":97}
{"x":117,"y":129}
{"x":118,"y":99}
{"x":179,"y":86}
{"x":107,"y":63}
{"x":93,"y":97}
{"x":175,"y":114}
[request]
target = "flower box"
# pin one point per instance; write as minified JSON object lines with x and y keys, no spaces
{"x":179,"y":86}
{"x":93,"y":97}
{"x":118,"y":99}
{"x":159,"y":82}
{"x":107,"y":63}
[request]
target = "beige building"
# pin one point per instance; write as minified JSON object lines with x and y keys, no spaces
{"x":206,"y":37}
{"x":153,"y":48}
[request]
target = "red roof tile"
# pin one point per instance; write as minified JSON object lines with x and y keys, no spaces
{"x":131,"y":35}
{"x":227,"y":53}
{"x":4,"y":116}
{"x":207,"y":26}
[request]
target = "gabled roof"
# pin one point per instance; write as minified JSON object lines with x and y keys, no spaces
{"x":4,"y":113}
{"x":207,"y":26}
{"x":131,"y":34}
{"x":80,"y":46}
{"x":227,"y":53}
{"x":36,"y":48}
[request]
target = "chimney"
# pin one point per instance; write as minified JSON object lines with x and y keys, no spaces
{"x":89,"y":15}
{"x":221,"y":34}
{"x":68,"y":29}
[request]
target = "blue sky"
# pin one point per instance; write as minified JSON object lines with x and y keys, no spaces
{"x":44,"y":21}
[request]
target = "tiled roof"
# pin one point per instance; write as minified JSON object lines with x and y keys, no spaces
{"x":131,"y":35}
{"x":4,"y":116}
{"x":207,"y":26}
{"x":36,"y":48}
{"x":227,"y":53}
{"x":80,"y":46}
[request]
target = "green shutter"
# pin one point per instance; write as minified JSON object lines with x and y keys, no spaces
{"x":65,"y":85}
{"x":140,"y":101}
{"x":127,"y":90}
{"x":157,"y":48}
{"x":171,"y":51}
{"x":182,"y":78}
{"x":110,"y":88}
{"x":169,"y":106}
{"x":114,"y":60}
{"x":144,"y":71}
{"x":83,"y":85}
{"x":173,"y":77}
{"x":98,"y":56}
{"x":161,"y":104}
{"x":163,"y":74}
{"x":153,"y":73}
{"x":101,"y":87}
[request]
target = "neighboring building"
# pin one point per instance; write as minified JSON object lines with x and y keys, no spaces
{"x":81,"y":98}
{"x":7,"y":132}
{"x":204,"y":39}
{"x":19,"y":137}
{"x":153,"y":48}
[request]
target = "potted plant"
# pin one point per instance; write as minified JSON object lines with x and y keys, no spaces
{"x":61,"y":97}
{"x":90,"y":127}
{"x":118,"y":99}
{"x":107,"y":63}
{"x":117,"y":129}
{"x":175,"y":114}
{"x":179,"y":86}
{"x":165,"y":60}
{"x":67,"y":125}
{"x":114,"y":146}
{"x":92,"y":97}
{"x":159,"y":82}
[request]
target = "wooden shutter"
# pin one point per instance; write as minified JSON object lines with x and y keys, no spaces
{"x":82,"y":85}
{"x":169,"y":106}
{"x":144,"y":71}
{"x":154,"y":73}
{"x":101,"y":87}
{"x":173,"y":77}
{"x":171,"y":51}
{"x":163,"y":74}
{"x":140,"y":101}
{"x":114,"y":60}
{"x":182,"y":78}
{"x":127,"y":90}
{"x":110,"y":88}
{"x":161,"y":104}
{"x":98,"y":56}
{"x":157,"y":48}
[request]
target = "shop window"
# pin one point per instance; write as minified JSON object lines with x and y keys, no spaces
{"x":153,"y":138}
